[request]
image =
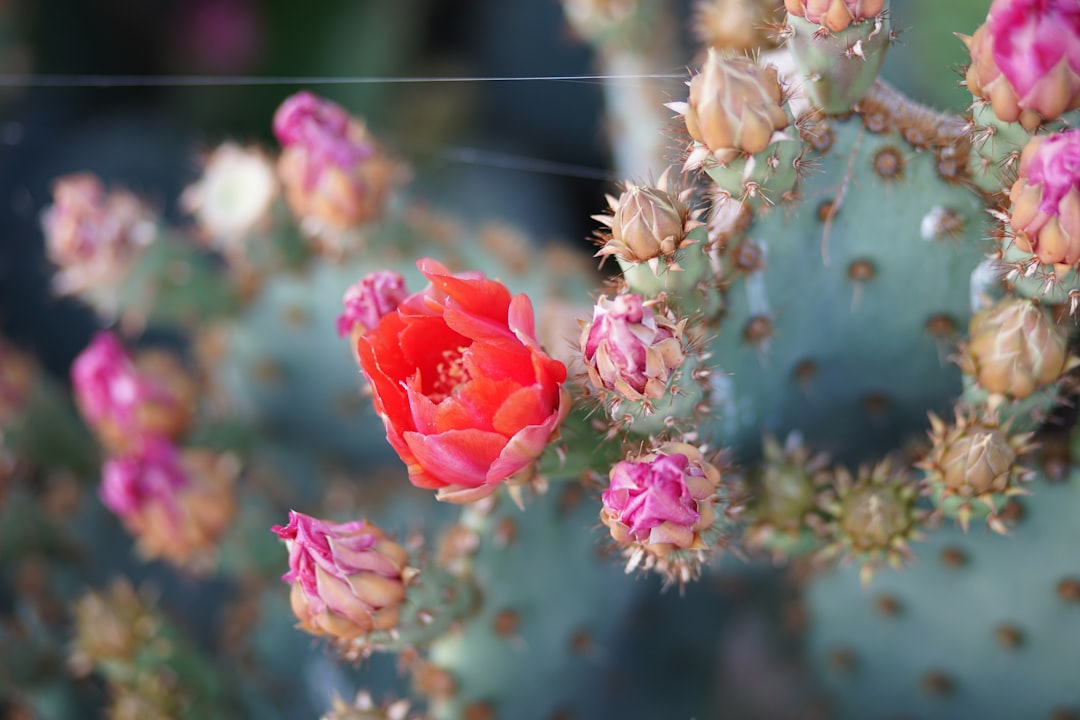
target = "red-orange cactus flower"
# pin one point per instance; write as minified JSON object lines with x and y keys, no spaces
{"x":467,"y":395}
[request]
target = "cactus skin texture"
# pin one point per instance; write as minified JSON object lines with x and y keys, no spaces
{"x":824,"y":324}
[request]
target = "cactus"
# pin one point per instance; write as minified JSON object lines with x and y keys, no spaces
{"x":806,"y":451}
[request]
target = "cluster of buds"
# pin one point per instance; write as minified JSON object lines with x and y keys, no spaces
{"x":666,"y":509}
{"x":975,"y":459}
{"x":335,"y":175}
{"x":631,"y":349}
{"x":94,"y":237}
{"x":176,"y":503}
{"x":233,"y":197}
{"x":735,"y":108}
{"x":348,"y":579}
{"x":1014,"y":348}
{"x":648,"y":224}
{"x":1045,"y":214}
{"x":1025,"y":61}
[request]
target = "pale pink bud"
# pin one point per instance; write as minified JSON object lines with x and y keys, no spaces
{"x":1046,"y":198}
{"x":1025,"y":60}
{"x":348,"y":579}
{"x":333,"y":172}
{"x":176,"y":505}
{"x":631,"y":349}
{"x":662,"y":500}
{"x":835,"y":15}
{"x":93,"y":237}
{"x":369,"y":299}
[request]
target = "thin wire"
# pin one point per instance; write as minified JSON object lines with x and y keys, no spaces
{"x":506,"y":161}
{"x":106,"y":81}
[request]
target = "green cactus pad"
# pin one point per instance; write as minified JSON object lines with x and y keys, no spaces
{"x":844,"y":332}
{"x":981,"y":626}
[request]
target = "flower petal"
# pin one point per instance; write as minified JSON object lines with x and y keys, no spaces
{"x":457,"y":457}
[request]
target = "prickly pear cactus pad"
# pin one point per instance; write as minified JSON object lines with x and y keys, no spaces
{"x":982,"y":624}
{"x":843,"y":305}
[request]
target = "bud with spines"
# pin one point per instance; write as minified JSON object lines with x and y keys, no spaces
{"x":348,"y":579}
{"x":872,"y":517}
{"x":666,"y":509}
{"x":975,"y":460}
{"x":1045,"y":213}
{"x":1014,"y":348}
{"x":783,"y":513}
{"x":1025,"y":62}
{"x":735,"y":108}
{"x":648,"y":224}
{"x":839,"y":47}
{"x":632,"y":349}
{"x":835,"y":15}
{"x":736,"y":118}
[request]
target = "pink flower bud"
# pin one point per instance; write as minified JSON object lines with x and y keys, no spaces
{"x":176,"y":505}
{"x":130,"y":482}
{"x":631,"y":349}
{"x":333,"y":172}
{"x":348,"y":579}
{"x":369,"y":299}
{"x":107,"y":388}
{"x":1046,"y":198}
{"x":662,"y":500}
{"x":93,"y":237}
{"x":1025,"y":60}
{"x":125,"y":402}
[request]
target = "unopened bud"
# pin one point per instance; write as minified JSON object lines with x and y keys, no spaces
{"x":334,"y":173}
{"x":630,"y":348}
{"x":835,"y":15}
{"x":735,"y":107}
{"x":348,"y":579}
{"x":1014,"y":348}
{"x":1046,"y":199}
{"x":1024,"y":60}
